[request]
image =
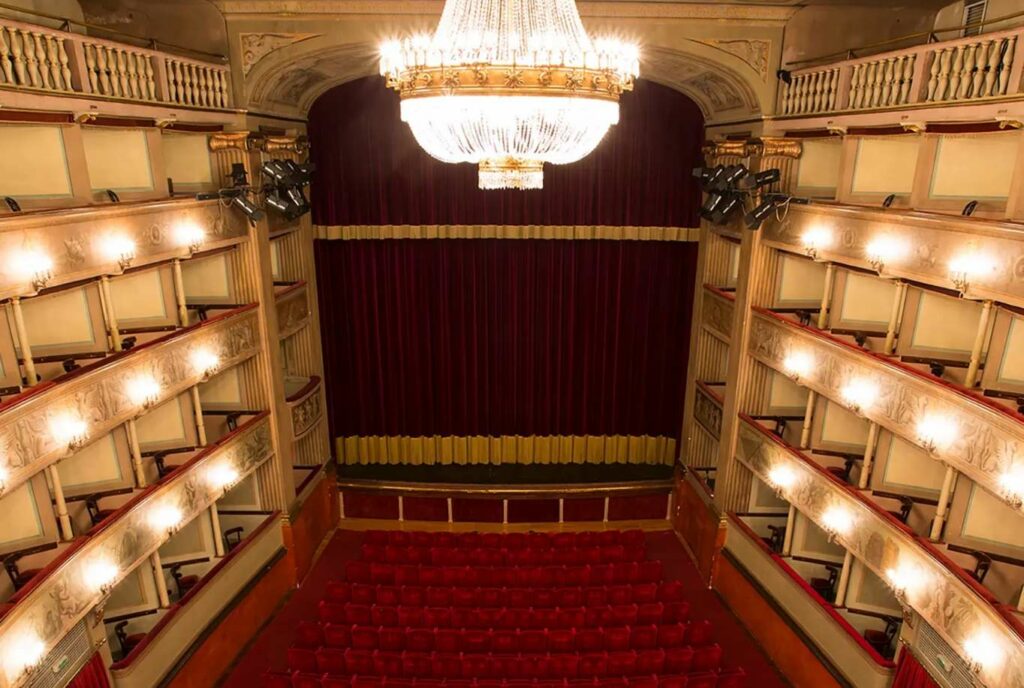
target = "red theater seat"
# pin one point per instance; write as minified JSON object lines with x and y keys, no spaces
{"x":672,"y":681}
{"x":301,"y":659}
{"x":305,"y":680}
{"x":330,"y":660}
{"x":277,"y":679}
{"x":707,"y":658}
{"x":309,"y":634}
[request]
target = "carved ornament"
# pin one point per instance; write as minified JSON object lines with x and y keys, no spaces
{"x":292,"y":310}
{"x":717,"y":313}
{"x":707,"y":411}
{"x":256,"y":46}
{"x":307,"y":411}
{"x":751,"y":51}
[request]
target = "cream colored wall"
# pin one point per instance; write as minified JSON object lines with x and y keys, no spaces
{"x":118,"y":159}
{"x":34,"y":161}
{"x":952,"y":15}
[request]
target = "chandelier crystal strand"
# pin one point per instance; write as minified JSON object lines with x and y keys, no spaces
{"x":509,"y":85}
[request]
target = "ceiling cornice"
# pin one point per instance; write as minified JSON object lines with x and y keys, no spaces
{"x":238,"y":9}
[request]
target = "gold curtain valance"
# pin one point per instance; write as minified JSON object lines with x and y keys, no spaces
{"x":350,"y":232}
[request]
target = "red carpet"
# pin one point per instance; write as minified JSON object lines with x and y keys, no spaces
{"x":269,"y":650}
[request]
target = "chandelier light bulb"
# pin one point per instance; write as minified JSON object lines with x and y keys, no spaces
{"x":144,"y":391}
{"x":837,"y":520}
{"x":782,"y":476}
{"x":68,"y":429}
{"x":102,"y":574}
{"x":798,"y":364}
{"x":190,"y":235}
{"x":859,"y":393}
{"x":119,"y":248}
{"x":885,"y":250}
{"x":509,"y":85}
{"x":936,"y":432}
{"x":165,"y":518}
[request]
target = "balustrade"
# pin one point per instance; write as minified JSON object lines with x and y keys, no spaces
{"x":41,"y":59}
{"x":957,"y":71}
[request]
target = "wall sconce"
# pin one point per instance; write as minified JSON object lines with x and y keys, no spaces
{"x":816,"y":239}
{"x":223,"y":476}
{"x":1012,"y":483}
{"x":120,"y":248}
{"x":101,"y":575}
{"x":35,"y":266}
{"x":166,"y":518}
{"x":905,"y":579}
{"x":144,"y":391}
{"x":205,"y":362}
{"x":859,"y":394}
{"x":884,"y":250}
{"x":798,"y":364}
{"x":936,"y":432}
{"x":22,"y":654}
{"x":968,"y":266}
{"x":982,"y":651}
{"x":782,"y":477}
{"x":4,"y":474}
{"x":190,"y":235}
{"x":837,"y":520}
{"x":70,"y":430}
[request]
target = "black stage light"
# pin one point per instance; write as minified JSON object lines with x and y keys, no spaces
{"x":238,"y":175}
{"x":277,"y":203}
{"x":733,"y":174}
{"x":703,"y":174}
{"x":763,"y":178}
{"x":248,"y":207}
{"x":716,"y":173}
{"x":758,"y":215}
{"x":732,"y":203}
{"x":274,"y":170}
{"x":297,"y":174}
{"x":710,"y":204}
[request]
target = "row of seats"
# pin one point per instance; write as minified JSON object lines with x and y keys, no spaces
{"x":445,"y":596}
{"x":313,"y":635}
{"x":359,"y":571}
{"x":678,"y":660}
{"x":704,"y":679}
{"x":501,"y":556}
{"x":626,"y":538}
{"x":504,"y":618}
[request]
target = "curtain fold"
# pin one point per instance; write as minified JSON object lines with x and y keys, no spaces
{"x":92,"y":675}
{"x":505,"y":340}
{"x":371,"y":171}
{"x":910,"y":673}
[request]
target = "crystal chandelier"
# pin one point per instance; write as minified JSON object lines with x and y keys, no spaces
{"x":509,"y":85}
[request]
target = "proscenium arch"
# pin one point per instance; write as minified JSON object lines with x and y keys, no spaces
{"x":288,"y":80}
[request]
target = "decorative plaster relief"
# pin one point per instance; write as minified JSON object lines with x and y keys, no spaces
{"x":716,"y":313}
{"x":256,"y":46}
{"x":99,"y":398}
{"x":707,"y":410}
{"x":753,"y":52}
{"x":292,"y":310}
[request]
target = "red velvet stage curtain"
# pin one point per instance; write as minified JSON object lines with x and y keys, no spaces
{"x":910,"y":673}
{"x":505,"y":337}
{"x":92,"y":675}
{"x":371,"y":171}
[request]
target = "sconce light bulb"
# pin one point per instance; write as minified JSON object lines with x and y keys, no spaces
{"x":885,"y":250}
{"x":859,"y":393}
{"x":205,"y":360}
{"x":190,"y":235}
{"x":22,"y":653}
{"x":798,"y":363}
{"x":816,"y":238}
{"x":101,"y":573}
{"x":936,"y":432}
{"x":223,"y":476}
{"x":120,"y":248}
{"x":165,"y":517}
{"x":782,"y":476}
{"x":144,"y":390}
{"x":837,"y":520}
{"x":67,"y":428}
{"x":983,"y":650}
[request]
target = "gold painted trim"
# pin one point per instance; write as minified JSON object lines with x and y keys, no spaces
{"x":100,"y":398}
{"x":649,"y":525}
{"x":521,"y":491}
{"x":64,"y":597}
{"x":510,"y":80}
{"x":480,"y":449}
{"x":945,"y":602}
{"x":570,"y":232}
{"x":235,"y":140}
{"x":772,"y":146}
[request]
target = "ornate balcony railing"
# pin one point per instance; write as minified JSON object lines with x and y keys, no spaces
{"x":956,"y":607}
{"x":74,"y":240}
{"x":983,"y":435}
{"x":292,"y":309}
{"x":305,"y":407}
{"x":45,"y":60}
{"x":964,"y":70}
{"x":121,"y":543}
{"x":926,"y":245}
{"x":97,"y":395}
{"x":716,"y":312}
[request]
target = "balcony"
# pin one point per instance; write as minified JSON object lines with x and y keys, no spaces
{"x":292,"y":308}
{"x":959,"y":74}
{"x":40,"y":61}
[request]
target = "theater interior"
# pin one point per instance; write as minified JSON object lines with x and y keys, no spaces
{"x":511,"y":344}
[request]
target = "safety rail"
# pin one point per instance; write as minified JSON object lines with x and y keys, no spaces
{"x":46,"y":60}
{"x":964,"y":70}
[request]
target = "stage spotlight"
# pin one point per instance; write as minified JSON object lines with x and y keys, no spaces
{"x":273,"y":169}
{"x":732,"y":203}
{"x":711,"y":203}
{"x":277,"y":203}
{"x":298,"y":174}
{"x":764,"y":178}
{"x":249,"y":208}
{"x":732,"y":176}
{"x":703,"y":174}
{"x":758,"y":215}
{"x":238,"y":175}
{"x":716,"y":174}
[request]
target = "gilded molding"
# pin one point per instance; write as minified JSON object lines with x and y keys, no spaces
{"x":740,"y":149}
{"x":307,"y":411}
{"x":355,"y":232}
{"x":717,"y":313}
{"x":933,"y":242}
{"x":987,"y":439}
{"x":64,"y":597}
{"x":100,"y":398}
{"x":707,"y":411}
{"x":292,"y":310}
{"x":75,"y":239}
{"x":289,"y":144}
{"x":943,"y":600}
{"x":232,"y":140}
{"x":776,"y":146}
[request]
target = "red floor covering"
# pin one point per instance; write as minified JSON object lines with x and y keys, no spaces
{"x":269,"y":649}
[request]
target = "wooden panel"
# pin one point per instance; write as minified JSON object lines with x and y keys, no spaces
{"x":315,"y":520}
{"x":818,"y":170}
{"x":34,"y":163}
{"x":885,"y":165}
{"x":974,"y":167}
{"x":117,"y":158}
